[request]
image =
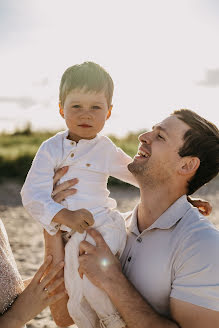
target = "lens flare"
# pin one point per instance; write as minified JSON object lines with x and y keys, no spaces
{"x":104,"y":262}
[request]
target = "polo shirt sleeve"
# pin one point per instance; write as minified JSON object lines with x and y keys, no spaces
{"x":118,"y":161}
{"x":37,"y":189}
{"x":196,"y":269}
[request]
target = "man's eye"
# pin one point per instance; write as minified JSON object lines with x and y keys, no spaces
{"x":160,"y":137}
{"x":76,"y":106}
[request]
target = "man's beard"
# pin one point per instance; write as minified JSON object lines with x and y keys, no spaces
{"x":148,"y":175}
{"x":135,"y":168}
{"x":141,"y":171}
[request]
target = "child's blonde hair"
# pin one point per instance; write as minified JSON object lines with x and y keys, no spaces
{"x":88,"y":76}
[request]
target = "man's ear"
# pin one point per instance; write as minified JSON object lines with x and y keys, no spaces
{"x":109,"y":112}
{"x":189,"y":165}
{"x":61,"y":111}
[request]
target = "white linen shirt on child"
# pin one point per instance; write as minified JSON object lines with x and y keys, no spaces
{"x":91,"y":161}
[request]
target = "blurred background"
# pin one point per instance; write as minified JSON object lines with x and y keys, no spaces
{"x":162,"y":56}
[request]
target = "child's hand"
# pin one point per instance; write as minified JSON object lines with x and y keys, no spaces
{"x":81,"y":220}
{"x":203,"y":206}
{"x":78,"y":220}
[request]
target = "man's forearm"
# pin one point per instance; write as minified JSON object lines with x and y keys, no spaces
{"x":136,"y":312}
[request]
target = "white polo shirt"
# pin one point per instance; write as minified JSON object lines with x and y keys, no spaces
{"x":177,"y":256}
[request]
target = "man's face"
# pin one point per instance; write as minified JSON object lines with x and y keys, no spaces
{"x":157,"y":160}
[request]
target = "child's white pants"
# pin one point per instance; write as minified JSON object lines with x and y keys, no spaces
{"x":89,"y":306}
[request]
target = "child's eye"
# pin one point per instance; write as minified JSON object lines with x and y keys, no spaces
{"x":76,"y":106}
{"x":96,"y":107}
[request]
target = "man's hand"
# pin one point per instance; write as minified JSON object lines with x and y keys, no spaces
{"x":64,"y":189}
{"x":98,"y":262}
{"x":78,"y":220}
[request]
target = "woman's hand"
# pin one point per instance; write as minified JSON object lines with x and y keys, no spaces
{"x":63,"y":190}
{"x":203,"y":206}
{"x":37,"y":296}
{"x":40,"y":293}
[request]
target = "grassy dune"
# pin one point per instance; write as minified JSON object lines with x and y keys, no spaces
{"x":18,"y":150}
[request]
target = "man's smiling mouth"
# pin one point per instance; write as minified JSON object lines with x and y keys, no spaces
{"x":143,"y":153}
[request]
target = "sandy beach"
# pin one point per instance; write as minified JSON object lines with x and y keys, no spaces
{"x":25,"y":235}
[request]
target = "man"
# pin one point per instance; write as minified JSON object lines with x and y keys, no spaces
{"x":170,"y":264}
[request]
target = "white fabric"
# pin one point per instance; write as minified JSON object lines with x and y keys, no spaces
{"x":92,"y":162}
{"x":87,"y":303}
{"x":177,"y":256}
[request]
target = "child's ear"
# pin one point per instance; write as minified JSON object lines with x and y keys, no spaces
{"x":109,"y":112}
{"x":189,"y":166}
{"x":61,"y":111}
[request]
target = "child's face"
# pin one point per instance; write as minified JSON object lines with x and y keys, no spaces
{"x":85,"y":113}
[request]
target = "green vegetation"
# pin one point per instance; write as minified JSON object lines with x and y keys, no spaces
{"x":18,"y":150}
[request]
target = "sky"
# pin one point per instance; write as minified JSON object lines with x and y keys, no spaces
{"x":162,"y":56}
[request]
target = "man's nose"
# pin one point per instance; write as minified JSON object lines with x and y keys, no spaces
{"x":146,"y":137}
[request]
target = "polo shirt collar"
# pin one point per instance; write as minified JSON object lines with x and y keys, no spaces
{"x":167,"y":220}
{"x":82,"y":141}
{"x":131,"y":222}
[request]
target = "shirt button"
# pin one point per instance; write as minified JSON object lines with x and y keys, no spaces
{"x":73,"y":143}
{"x":72,"y":154}
{"x":139,"y":239}
{"x":129,"y":259}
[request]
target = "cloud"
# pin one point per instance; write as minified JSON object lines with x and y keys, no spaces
{"x":42,"y":83}
{"x":16,"y":21}
{"x":24,"y":102}
{"x":211,"y":78}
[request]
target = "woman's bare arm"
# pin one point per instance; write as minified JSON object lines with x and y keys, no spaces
{"x":26,"y":282}
{"x":41,"y":292}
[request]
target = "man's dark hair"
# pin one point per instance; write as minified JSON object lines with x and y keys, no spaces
{"x":202,"y":141}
